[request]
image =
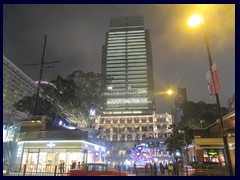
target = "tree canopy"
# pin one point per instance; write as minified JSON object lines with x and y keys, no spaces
{"x":195,"y":113}
{"x":181,"y":138}
{"x":76,"y":95}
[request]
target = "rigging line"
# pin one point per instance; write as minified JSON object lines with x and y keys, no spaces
{"x":186,"y":69}
{"x":54,"y":94}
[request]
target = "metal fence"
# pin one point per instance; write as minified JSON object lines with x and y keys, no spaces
{"x":52,"y":170}
{"x":57,"y":170}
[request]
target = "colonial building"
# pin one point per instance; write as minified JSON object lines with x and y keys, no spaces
{"x":134,"y":128}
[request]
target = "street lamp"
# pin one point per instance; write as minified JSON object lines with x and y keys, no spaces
{"x":194,"y":21}
{"x":170,"y":92}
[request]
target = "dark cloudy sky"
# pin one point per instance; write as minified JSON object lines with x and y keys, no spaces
{"x":76,"y":34}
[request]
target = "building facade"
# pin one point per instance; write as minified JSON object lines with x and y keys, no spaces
{"x":134,"y":128}
{"x":35,"y":144}
{"x":127,"y":66}
{"x":16,"y":85}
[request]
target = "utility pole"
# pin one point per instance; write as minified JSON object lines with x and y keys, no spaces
{"x":42,"y":63}
{"x":223,"y":130}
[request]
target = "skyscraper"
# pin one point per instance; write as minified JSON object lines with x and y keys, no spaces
{"x":128,"y":68}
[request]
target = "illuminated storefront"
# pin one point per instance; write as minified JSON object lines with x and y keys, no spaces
{"x":213,"y":156}
{"x":42,"y":156}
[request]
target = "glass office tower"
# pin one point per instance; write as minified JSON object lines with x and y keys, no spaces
{"x":127,"y":65}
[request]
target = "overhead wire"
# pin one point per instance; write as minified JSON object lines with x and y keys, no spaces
{"x":187,"y":66}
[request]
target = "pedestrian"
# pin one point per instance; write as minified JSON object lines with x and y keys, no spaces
{"x":154,"y":169}
{"x":78,"y":166}
{"x":146,"y":169}
{"x":170,"y":169}
{"x":166,"y":169}
{"x":61,"y":168}
{"x":73,"y":165}
{"x":175,"y":170}
{"x":151,"y":169}
{"x":181,"y":169}
{"x":135,"y":169}
{"x":162,"y":169}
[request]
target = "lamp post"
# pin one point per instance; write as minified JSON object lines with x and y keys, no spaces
{"x":170,"y":92}
{"x":193,"y":22}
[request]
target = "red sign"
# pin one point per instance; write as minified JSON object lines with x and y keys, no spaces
{"x":215,"y":78}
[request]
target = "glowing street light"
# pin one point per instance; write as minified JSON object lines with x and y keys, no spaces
{"x":170,"y":92}
{"x":194,"y":21}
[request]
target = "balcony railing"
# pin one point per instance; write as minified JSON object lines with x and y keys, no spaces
{"x":53,"y":135}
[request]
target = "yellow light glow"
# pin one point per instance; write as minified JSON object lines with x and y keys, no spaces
{"x":169,"y":92}
{"x":195,"y":20}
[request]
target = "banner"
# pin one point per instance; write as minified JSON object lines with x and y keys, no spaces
{"x":210,"y":83}
{"x":215,"y":78}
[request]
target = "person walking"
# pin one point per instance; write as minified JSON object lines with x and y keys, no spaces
{"x":166,"y":169}
{"x":162,"y":169}
{"x":135,"y":169}
{"x":146,"y":169}
{"x":61,"y":168}
{"x":151,"y":169}
{"x":79,"y":165}
{"x":154,"y":169}
{"x":181,"y":169}
{"x":170,"y":169}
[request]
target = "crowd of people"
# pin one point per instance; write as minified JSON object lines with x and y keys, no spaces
{"x":152,"y":169}
{"x":74,"y":166}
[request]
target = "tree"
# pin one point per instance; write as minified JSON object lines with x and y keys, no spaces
{"x":45,"y":106}
{"x":193,"y":113}
{"x":182,"y":137}
{"x":74,"y":95}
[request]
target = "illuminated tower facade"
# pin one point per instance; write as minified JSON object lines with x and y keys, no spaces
{"x":128,"y":68}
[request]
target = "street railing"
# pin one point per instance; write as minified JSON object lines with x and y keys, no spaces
{"x":53,"y":170}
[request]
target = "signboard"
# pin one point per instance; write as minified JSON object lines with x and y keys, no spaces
{"x":212,"y":153}
{"x":210,"y":84}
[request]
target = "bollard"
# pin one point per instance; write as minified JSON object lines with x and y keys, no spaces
{"x":24,"y":169}
{"x":55,"y":170}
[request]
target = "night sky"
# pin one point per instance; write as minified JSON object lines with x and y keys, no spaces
{"x":76,"y":34}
